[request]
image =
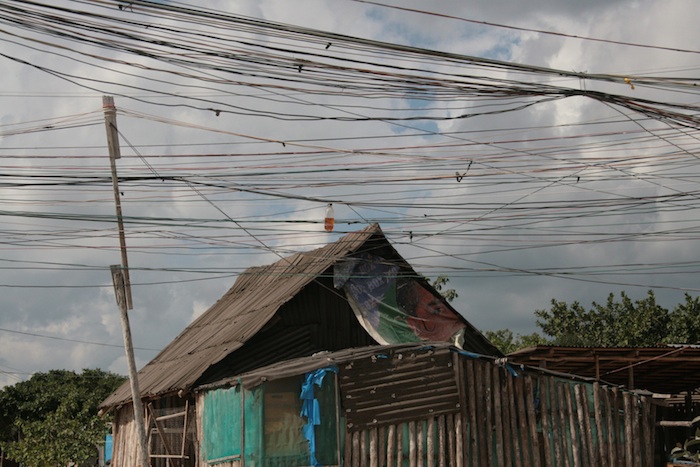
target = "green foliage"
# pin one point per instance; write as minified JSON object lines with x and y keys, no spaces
{"x":440,"y":284}
{"x":51,"y":419}
{"x":617,"y":323}
{"x":623,"y":323}
{"x":684,"y":323}
{"x":508,"y":343}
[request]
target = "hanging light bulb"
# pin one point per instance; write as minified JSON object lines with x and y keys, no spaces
{"x":329,"y":221}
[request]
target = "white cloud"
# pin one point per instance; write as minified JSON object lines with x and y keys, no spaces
{"x":226,"y":225}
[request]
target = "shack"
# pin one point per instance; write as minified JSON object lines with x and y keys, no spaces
{"x":355,"y":292}
{"x":420,"y":405}
{"x":345,"y":356}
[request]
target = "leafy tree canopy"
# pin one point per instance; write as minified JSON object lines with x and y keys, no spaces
{"x":440,"y":284}
{"x":51,"y":419}
{"x":617,"y":323}
{"x":623,"y":323}
{"x":508,"y":343}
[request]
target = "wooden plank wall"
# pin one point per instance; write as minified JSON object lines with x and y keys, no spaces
{"x":433,"y":442}
{"x":531,"y":420}
{"x":528,"y":420}
{"x":125,"y":444}
{"x":125,"y":438}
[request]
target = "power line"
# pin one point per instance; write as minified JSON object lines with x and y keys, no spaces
{"x":519,"y":28}
{"x":65,"y":339}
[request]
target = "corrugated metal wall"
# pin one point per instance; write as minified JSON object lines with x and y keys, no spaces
{"x":394,"y":387}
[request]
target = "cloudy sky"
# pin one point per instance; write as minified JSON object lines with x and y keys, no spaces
{"x":527,"y":150}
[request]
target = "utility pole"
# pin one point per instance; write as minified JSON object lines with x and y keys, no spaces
{"x":122,"y":284}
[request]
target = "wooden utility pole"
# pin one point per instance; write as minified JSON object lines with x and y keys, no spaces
{"x":110,"y":112}
{"x":122,"y":284}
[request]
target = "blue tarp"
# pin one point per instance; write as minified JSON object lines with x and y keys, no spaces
{"x":311,"y":409}
{"x":109,"y":442}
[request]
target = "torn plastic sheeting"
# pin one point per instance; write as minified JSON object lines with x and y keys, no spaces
{"x":310,"y":407}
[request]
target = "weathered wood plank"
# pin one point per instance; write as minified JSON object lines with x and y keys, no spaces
{"x":487,"y":381}
{"x":609,"y":428}
{"x":391,"y":446}
{"x":647,"y":433}
{"x":430,"y":445}
{"x":420,"y":454}
{"x":442,"y":444}
{"x":619,"y":424}
{"x":589,"y":430}
{"x":481,"y":427}
{"x":555,"y":410}
{"x":629,"y":445}
{"x":532,"y":420}
{"x":450,"y":432}
{"x":373,"y":448}
{"x":356,"y":449}
{"x":563,"y":422}
{"x":363,"y":449}
{"x":601,"y":458}
{"x":575,"y":447}
{"x":459,"y":440}
{"x":498,"y":414}
{"x":652,"y":417}
{"x":525,"y":438}
{"x":399,"y":445}
{"x":469,"y":379}
{"x":519,"y":386}
{"x":545,"y":413}
{"x":514,"y":426}
{"x":505,"y":413}
{"x":582,"y":414}
{"x":412,"y":445}
{"x":462,"y":441}
{"x":636,"y":431}
{"x":382,"y":445}
{"x":348,"y":448}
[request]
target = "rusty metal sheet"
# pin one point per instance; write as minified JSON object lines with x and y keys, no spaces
{"x":398,"y":386}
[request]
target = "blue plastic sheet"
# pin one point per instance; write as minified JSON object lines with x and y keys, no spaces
{"x":310,"y":408}
{"x":108,"y":448}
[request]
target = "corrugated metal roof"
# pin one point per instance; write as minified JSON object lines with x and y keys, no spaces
{"x":246,"y":308}
{"x":300,"y":366}
{"x":253,"y":300}
{"x":666,"y":369}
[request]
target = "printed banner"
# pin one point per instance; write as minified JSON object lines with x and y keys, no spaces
{"x":395,"y":310}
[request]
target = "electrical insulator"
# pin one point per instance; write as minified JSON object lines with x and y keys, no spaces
{"x":329,"y":221}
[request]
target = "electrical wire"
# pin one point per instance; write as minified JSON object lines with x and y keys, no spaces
{"x":442,"y":149}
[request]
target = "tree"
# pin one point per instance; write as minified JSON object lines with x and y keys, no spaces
{"x":440,"y":283}
{"x":684,"y":322}
{"x":623,"y":323}
{"x":508,"y":343}
{"x":51,"y":419}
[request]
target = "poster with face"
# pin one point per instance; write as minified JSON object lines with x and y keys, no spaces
{"x":426,"y":314}
{"x":395,"y":309}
